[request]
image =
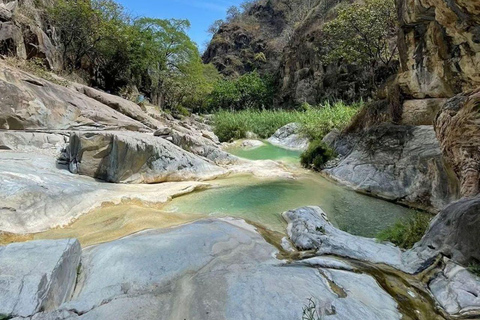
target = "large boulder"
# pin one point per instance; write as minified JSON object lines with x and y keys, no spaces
{"x":309,"y":229}
{"x":454,"y":233}
{"x":400,"y":163}
{"x":135,"y":158}
{"x":213,"y":269}
{"x":459,"y":135}
{"x":37,"y":276}
{"x":290,"y":137}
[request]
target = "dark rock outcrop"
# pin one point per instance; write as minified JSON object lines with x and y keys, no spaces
{"x":439,"y":45}
{"x":253,"y":41}
{"x":25,"y":33}
{"x":455,"y":233}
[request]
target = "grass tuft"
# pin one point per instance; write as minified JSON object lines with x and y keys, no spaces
{"x":475,"y":269}
{"x":406,"y":232}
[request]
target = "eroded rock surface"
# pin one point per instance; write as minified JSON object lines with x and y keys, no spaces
{"x":36,"y":194}
{"x":37,"y":276}
{"x":25,"y":32}
{"x":457,"y":289}
{"x":290,"y":137}
{"x":459,"y":135}
{"x":212,"y":269}
{"x":29,"y":102}
{"x":310,"y":229}
{"x":439,"y":46}
{"x":400,"y":163}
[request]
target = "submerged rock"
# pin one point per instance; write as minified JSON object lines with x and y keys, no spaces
{"x":400,"y":163}
{"x":289,"y":137}
{"x":251,"y":144}
{"x":37,"y":276}
{"x":212,"y":269}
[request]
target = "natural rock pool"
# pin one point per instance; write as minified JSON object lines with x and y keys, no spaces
{"x":258,"y":200}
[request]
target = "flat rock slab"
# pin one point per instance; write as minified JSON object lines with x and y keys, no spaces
{"x":212,"y":269}
{"x":36,"y":195}
{"x":37,"y":275}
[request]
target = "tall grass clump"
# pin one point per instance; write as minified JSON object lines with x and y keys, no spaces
{"x":406,"y":232}
{"x":315,"y":122}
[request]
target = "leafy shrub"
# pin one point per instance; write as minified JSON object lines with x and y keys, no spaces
{"x":317,"y":154}
{"x":406,"y":232}
{"x":248,"y":91}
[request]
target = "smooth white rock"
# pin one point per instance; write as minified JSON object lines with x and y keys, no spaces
{"x":37,"y":275}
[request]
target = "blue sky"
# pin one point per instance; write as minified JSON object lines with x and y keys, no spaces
{"x":201,"y":13}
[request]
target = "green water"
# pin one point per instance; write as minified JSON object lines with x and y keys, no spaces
{"x":267,"y":152}
{"x":263,"y":202}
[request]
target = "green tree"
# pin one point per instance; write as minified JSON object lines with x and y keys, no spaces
{"x":162,"y":50}
{"x":79,"y":29}
{"x":248,"y":91}
{"x":363,"y":33}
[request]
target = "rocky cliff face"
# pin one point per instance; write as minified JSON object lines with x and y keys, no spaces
{"x":303,"y":77}
{"x":439,"y":45}
{"x":272,"y":40}
{"x":25,"y":33}
{"x":252,"y":41}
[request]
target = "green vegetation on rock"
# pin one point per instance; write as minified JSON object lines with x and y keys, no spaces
{"x":316,"y":122}
{"x":406,"y":232}
{"x":475,"y":269}
{"x":317,"y":154}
